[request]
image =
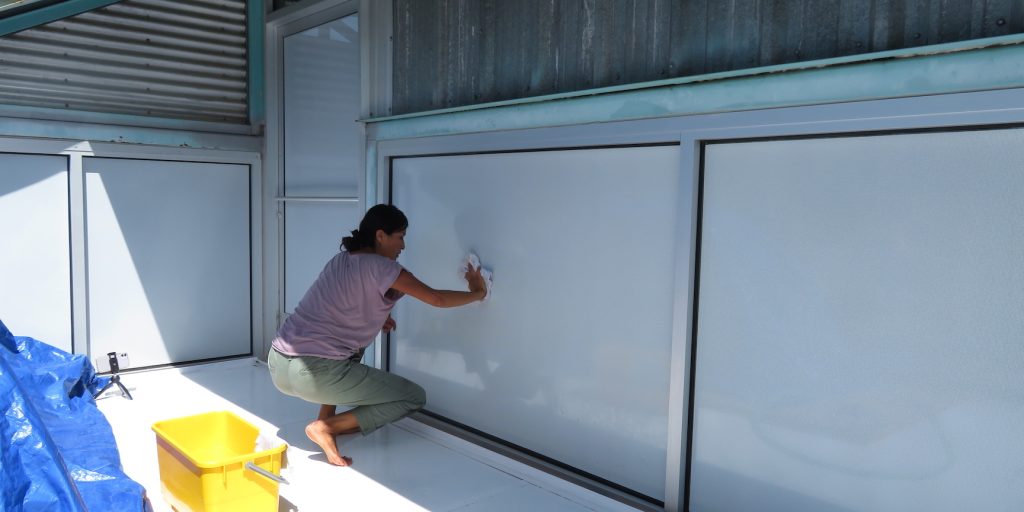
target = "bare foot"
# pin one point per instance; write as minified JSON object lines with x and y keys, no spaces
{"x":319,"y":433}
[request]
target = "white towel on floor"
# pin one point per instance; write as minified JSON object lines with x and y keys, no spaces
{"x":473,"y":260}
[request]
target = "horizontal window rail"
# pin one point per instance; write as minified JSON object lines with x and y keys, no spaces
{"x":310,"y":199}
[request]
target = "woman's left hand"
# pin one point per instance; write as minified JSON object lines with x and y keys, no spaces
{"x":389,"y":324}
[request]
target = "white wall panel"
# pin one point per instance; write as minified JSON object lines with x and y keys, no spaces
{"x":169,"y":260}
{"x":860,"y":324}
{"x":569,"y":358}
{"x":35,"y":265}
{"x":323,"y":140}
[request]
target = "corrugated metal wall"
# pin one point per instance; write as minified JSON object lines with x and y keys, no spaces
{"x":458,"y":52}
{"x":178,"y":59}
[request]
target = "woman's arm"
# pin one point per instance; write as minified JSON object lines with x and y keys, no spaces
{"x":409,"y":285}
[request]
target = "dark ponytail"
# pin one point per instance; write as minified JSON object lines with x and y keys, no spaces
{"x":385,"y":217}
{"x":355,"y":242}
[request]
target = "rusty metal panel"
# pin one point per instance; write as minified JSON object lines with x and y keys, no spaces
{"x":451,"y":53}
{"x":159,"y":58}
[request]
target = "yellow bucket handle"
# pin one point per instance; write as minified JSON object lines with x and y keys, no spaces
{"x":258,"y":470}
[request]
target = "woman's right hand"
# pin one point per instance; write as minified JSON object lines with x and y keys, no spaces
{"x":476,"y":281}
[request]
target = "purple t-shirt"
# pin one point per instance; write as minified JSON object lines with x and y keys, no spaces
{"x":344,"y":309}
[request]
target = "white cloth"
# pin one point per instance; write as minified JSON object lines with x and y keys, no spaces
{"x":267,"y":441}
{"x":474,"y":261}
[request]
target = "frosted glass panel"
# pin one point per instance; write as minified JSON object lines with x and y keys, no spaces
{"x":35,"y":265}
{"x":861,"y":313}
{"x":570,"y":358}
{"x":313,"y":233}
{"x":323,"y":142}
{"x":168,"y":259}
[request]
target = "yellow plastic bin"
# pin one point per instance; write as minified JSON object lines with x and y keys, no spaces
{"x":208,"y":462}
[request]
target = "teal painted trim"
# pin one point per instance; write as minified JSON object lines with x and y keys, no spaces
{"x":982,"y":68}
{"x":151,"y":136}
{"x":256,"y":31}
{"x":937,"y":49}
{"x":57,"y":115}
{"x":49,"y":14}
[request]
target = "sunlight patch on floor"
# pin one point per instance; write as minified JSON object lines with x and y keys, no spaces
{"x":405,"y":466}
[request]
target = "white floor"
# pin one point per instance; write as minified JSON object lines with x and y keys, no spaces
{"x":404,"y":466}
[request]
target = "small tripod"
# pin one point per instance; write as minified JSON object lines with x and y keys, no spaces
{"x":114,"y":377}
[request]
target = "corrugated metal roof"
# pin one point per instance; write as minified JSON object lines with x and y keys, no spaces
{"x":175,"y":59}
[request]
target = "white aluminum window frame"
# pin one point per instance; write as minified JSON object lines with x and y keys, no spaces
{"x":375,"y":86}
{"x":76,"y":151}
{"x":942,"y":111}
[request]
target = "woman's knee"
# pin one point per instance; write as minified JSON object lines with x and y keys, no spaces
{"x":417,"y":396}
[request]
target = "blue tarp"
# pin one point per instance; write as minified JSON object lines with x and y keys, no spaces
{"x":57,"y":451}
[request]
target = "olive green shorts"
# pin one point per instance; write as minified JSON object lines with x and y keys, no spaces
{"x":378,"y":397}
